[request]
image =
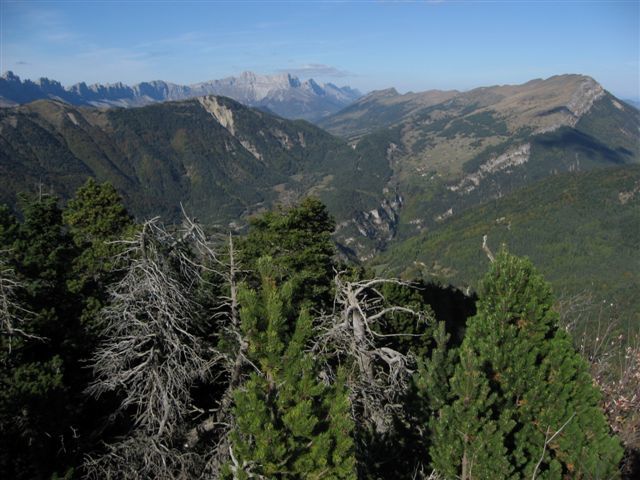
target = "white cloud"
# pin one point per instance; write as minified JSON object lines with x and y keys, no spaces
{"x":317,"y":70}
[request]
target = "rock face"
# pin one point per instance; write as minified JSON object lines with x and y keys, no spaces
{"x":220,"y":112}
{"x":380,"y":223}
{"x":511,"y":158}
{"x":282,"y":94}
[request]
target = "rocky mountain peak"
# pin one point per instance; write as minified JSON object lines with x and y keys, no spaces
{"x":314,"y":87}
{"x":10,"y":76}
{"x":45,"y":82}
{"x":387,"y":92}
{"x":587,"y":92}
{"x":283,"y":93}
{"x":262,"y":84}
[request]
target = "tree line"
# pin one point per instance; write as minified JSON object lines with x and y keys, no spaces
{"x":139,"y":350}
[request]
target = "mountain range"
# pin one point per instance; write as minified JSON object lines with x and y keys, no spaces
{"x":549,"y":167}
{"x":282,"y":94}
{"x":448,"y":155}
{"x":222,"y":160}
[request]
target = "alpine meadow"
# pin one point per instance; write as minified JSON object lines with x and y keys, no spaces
{"x":283,"y":240}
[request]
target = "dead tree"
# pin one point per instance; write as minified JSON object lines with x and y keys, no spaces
{"x":232,"y":365}
{"x":140,"y":457}
{"x":150,"y":355}
{"x":12,"y":313}
{"x":487,"y":250}
{"x":380,"y":373}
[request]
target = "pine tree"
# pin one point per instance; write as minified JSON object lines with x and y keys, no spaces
{"x":37,"y":415}
{"x":431,"y":381}
{"x":97,"y":221}
{"x":538,"y":390}
{"x":288,"y":424}
{"x":299,"y":242}
{"x":467,"y":441}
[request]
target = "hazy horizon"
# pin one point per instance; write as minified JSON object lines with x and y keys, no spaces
{"x":302,"y":78}
{"x":411,"y":46}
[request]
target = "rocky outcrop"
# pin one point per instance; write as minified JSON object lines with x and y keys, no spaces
{"x":511,"y":158}
{"x":380,"y":224}
{"x":220,"y":112}
{"x":581,"y":101}
{"x":625,"y":197}
{"x":584,"y":97}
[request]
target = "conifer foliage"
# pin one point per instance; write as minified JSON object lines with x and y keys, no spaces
{"x":299,"y":242}
{"x":523,"y":403}
{"x":37,"y":383}
{"x":288,"y":423}
{"x":97,"y":222}
{"x":274,"y":363}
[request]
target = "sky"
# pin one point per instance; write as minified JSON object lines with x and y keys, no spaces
{"x":409,"y":45}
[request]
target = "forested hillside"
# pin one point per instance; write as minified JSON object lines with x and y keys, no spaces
{"x":582,"y":229}
{"x":221,"y":160}
{"x":139,"y":350}
{"x":226,"y":305}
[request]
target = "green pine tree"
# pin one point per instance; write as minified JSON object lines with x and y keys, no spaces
{"x":97,"y":220}
{"x":36,"y":378}
{"x":467,"y":440}
{"x":431,"y":382}
{"x":538,"y":390}
{"x":288,"y":424}
{"x":299,"y":242}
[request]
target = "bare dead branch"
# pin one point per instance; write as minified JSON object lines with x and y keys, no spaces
{"x":613,"y":353}
{"x":150,"y":355}
{"x":221,"y":420}
{"x":141,"y":457}
{"x":487,"y":250}
{"x":380,"y":373}
{"x":547,"y":441}
{"x":12,"y":313}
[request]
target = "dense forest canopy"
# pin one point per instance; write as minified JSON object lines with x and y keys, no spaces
{"x":143,"y":350}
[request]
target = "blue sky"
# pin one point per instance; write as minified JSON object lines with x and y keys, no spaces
{"x":366,"y":44}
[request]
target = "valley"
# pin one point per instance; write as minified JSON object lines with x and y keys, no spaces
{"x":402,"y":173}
{"x":308,"y":240}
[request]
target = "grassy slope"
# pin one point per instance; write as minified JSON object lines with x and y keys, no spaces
{"x":574,"y":227}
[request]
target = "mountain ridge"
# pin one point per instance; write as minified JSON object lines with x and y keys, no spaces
{"x":284,"y":94}
{"x":433,"y":160}
{"x":387,"y":108}
{"x":221,"y":159}
{"x":485,"y":143}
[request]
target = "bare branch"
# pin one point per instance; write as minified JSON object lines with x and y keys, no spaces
{"x":613,"y":353}
{"x":487,"y":250}
{"x":142,"y":457}
{"x":221,"y":420}
{"x":547,"y":441}
{"x":12,"y":313}
{"x":149,"y":354}
{"x":380,"y":373}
